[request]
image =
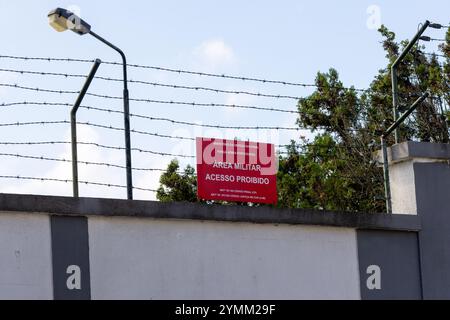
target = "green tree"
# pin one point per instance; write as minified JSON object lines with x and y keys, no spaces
{"x":336,"y":170}
{"x":177,"y":186}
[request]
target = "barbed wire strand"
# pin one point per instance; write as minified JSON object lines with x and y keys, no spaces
{"x":170,"y":102}
{"x":177,"y":71}
{"x":155,"y":84}
{"x":100,"y":164}
{"x":98,"y":146}
{"x":110,"y":127}
{"x":186,"y":123}
{"x":37,"y":89}
{"x":177,"y":87}
{"x":438,"y":40}
{"x":434,"y":54}
{"x":110,"y":185}
{"x":140,"y":150}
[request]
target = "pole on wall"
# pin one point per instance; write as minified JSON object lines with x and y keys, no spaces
{"x":387,"y":186}
{"x":394,"y":75}
{"x":73,"y":125}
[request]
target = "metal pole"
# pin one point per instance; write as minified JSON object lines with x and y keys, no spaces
{"x":126,"y":111}
{"x":406,"y":114}
{"x":394,"y":75}
{"x":395,"y":100}
{"x":387,"y":185}
{"x":73,"y":125}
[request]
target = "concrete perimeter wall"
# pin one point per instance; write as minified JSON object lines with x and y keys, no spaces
{"x":25,"y":257}
{"x":63,"y":248}
{"x":161,"y":259}
{"x":66,"y":248}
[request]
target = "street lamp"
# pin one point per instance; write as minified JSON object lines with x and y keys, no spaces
{"x":62,"y":20}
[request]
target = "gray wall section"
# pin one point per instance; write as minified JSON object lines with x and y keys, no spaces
{"x":397,"y":256}
{"x":70,"y":257}
{"x":169,"y":259}
{"x":193,"y":211}
{"x":150,"y":250}
{"x":433,"y":206}
{"x":25,"y":257}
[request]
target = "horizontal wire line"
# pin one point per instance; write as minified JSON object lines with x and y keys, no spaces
{"x":438,"y":40}
{"x":434,"y":54}
{"x":99,"y":146}
{"x":192,"y":124}
{"x":42,"y":158}
{"x":37,"y":89}
{"x":193,"y":104}
{"x":180,"y":71}
{"x":11,"y":124}
{"x":8,"y":85}
{"x":101,"y":164}
{"x":110,"y":185}
{"x":31,"y":143}
{"x":177,"y":71}
{"x":93,"y":125}
{"x":156,"y":84}
{"x":152,"y":119}
{"x":168,"y":120}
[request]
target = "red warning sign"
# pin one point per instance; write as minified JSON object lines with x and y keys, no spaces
{"x":232,"y":170}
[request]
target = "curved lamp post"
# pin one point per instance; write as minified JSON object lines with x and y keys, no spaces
{"x":62,"y":20}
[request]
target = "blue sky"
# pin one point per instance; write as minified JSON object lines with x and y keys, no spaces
{"x":286,"y":40}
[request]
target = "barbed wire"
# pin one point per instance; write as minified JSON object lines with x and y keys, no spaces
{"x":110,"y":127}
{"x":159,"y":101}
{"x":155,"y":84}
{"x":100,"y":164}
{"x":89,"y":163}
{"x":101,"y":184}
{"x":194,"y":104}
{"x":140,"y":150}
{"x":99,"y":146}
{"x":177,"y":71}
{"x":171,"y":102}
{"x":442,"y":25}
{"x":181,"y":71}
{"x":16,"y":86}
{"x":103,"y":96}
{"x":109,"y":165}
{"x":438,"y":40}
{"x":33,"y":123}
{"x":434,"y":54}
{"x":94,"y":125}
{"x":186,"y":123}
{"x":110,"y":185}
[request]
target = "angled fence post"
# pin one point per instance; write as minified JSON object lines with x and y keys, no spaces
{"x":73,"y":125}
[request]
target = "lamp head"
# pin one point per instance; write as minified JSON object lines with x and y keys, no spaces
{"x":61,"y":20}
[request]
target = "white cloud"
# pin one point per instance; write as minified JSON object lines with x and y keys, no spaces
{"x":215,"y":53}
{"x":63,"y":171}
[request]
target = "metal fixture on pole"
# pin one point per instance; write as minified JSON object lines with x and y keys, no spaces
{"x":62,"y":20}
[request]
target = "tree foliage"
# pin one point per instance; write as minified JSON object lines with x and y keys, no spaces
{"x":336,"y":170}
{"x":176,"y":186}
